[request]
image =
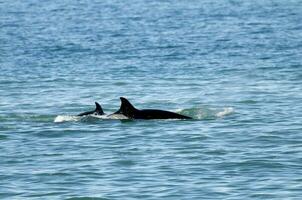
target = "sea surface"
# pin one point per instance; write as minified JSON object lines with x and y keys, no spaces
{"x":235,"y":66}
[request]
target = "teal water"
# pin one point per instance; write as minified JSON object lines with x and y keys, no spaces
{"x":235,"y":66}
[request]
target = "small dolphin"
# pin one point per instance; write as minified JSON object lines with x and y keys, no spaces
{"x":98,"y":111}
{"x":131,"y":112}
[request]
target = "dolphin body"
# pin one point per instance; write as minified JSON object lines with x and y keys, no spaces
{"x":131,"y":112}
{"x":98,"y":111}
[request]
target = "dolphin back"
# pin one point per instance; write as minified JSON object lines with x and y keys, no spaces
{"x":98,"y":111}
{"x":159,"y":114}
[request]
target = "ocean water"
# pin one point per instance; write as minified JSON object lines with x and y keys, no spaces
{"x":233,"y":65}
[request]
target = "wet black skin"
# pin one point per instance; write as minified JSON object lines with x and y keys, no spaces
{"x":98,"y":111}
{"x":131,"y":112}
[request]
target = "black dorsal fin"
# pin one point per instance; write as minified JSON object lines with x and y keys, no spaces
{"x":98,"y":109}
{"x":126,"y":108}
{"x":126,"y":104}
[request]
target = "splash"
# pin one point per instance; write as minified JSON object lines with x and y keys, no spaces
{"x":70,"y":118}
{"x":225,"y":112}
{"x":66,"y":118}
{"x":205,"y":113}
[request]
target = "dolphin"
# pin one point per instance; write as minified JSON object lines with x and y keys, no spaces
{"x":98,"y":111}
{"x":131,"y":112}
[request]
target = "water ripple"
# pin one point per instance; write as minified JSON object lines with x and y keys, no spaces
{"x":234,"y":66}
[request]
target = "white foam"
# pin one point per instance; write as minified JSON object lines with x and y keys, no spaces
{"x":97,"y":116}
{"x":66,"y":118}
{"x":69,"y":118}
{"x":116,"y":116}
{"x":226,"y":111}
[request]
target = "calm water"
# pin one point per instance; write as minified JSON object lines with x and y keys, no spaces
{"x":235,"y":66}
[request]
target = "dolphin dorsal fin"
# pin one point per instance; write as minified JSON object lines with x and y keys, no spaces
{"x":126,"y":105}
{"x":126,"y":108}
{"x":98,"y":109}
